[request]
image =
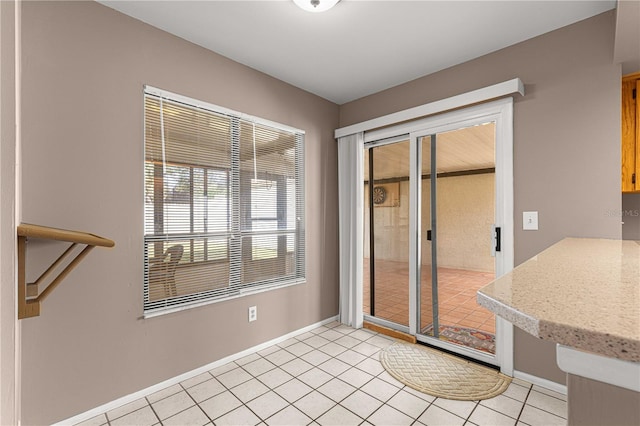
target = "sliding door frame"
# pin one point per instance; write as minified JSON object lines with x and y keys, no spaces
{"x":500,"y":112}
{"x":371,"y":145}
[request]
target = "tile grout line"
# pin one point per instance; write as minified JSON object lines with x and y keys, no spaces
{"x":290,"y":380}
{"x":524,"y":404}
{"x":226,"y":389}
{"x":335,"y":403}
{"x":338,"y":403}
{"x":152,"y":409}
{"x":475,"y":406}
{"x":544,"y":409}
{"x":370,"y":380}
{"x":282,"y":384}
{"x":184,"y":389}
{"x":234,"y":395}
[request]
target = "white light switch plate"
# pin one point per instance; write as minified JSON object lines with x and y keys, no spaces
{"x":530,"y":221}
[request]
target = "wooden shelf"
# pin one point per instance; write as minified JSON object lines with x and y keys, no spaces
{"x":29,"y":297}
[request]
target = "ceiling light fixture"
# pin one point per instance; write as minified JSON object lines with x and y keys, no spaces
{"x":316,"y":5}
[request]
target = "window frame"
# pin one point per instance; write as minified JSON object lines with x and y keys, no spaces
{"x":235,"y":229}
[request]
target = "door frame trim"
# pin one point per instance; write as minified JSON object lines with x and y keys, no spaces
{"x":473,"y":97}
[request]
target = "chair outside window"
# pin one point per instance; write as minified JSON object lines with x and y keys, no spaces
{"x":162,"y":273}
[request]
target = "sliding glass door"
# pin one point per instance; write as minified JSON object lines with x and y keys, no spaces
{"x":457,"y":213}
{"x":386,"y":222}
{"x":437,"y":227}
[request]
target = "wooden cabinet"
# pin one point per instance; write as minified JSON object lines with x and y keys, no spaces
{"x":630,"y":133}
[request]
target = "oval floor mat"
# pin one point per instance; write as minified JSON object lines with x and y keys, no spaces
{"x":439,"y":374}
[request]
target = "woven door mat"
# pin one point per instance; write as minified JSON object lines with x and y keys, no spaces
{"x":440,"y":374}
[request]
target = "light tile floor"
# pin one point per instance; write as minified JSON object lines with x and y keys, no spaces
{"x":329,"y":376}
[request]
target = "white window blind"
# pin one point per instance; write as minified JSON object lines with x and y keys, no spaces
{"x":223,"y":203}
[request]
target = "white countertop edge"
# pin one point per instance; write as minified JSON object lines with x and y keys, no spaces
{"x":624,"y":374}
{"x":515,"y":317}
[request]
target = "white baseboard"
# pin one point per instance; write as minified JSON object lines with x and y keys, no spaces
{"x":181,"y":378}
{"x":539,"y":381}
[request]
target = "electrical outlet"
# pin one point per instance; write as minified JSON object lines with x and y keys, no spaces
{"x":253,"y":313}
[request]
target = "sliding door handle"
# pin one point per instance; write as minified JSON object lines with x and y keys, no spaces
{"x":429,"y":235}
{"x":496,"y":236}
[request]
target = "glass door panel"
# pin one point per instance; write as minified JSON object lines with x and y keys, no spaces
{"x":386,"y":233}
{"x":458,"y":211}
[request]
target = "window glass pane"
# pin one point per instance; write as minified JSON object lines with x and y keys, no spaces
{"x":196,"y":249}
{"x":218,"y":203}
{"x":266,"y":265}
{"x":217,"y":248}
{"x":169,"y":276}
{"x":199,"y":202}
{"x":264,"y":247}
{"x":177,"y":207}
{"x":291,"y":243}
{"x":264,"y":199}
{"x":163,"y":259}
{"x":291,"y":204}
{"x":148,"y":198}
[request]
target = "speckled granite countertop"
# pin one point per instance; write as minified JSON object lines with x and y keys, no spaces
{"x":583,"y":293}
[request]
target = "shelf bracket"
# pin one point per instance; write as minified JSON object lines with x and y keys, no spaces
{"x":29,"y":298}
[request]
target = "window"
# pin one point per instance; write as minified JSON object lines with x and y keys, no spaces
{"x":223,"y":203}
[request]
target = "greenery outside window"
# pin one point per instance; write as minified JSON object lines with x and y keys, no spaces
{"x":223,"y":203}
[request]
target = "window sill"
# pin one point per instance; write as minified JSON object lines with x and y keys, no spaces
{"x":241,"y":293}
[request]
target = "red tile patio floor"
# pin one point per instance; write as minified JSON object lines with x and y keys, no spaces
{"x":456,"y":296}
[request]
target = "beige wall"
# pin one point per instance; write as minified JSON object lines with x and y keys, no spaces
{"x":9,"y":328}
{"x":627,"y":41}
{"x":566,"y":140}
{"x":465,"y":215}
{"x":84,"y":69}
{"x":391,"y":231}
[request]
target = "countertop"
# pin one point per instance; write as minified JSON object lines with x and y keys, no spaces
{"x":583,"y":293}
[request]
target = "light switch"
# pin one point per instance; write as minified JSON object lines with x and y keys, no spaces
{"x":530,"y":221}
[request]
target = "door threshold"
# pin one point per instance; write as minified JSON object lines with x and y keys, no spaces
{"x":459,"y":355}
{"x":389,"y":332}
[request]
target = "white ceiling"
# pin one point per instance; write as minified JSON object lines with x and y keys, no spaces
{"x":359,"y":47}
